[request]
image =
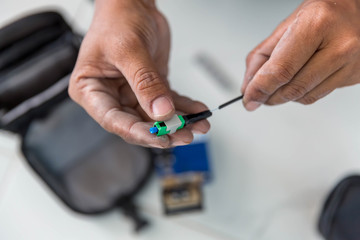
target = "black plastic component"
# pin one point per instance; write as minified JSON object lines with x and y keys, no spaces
{"x":193,"y":118}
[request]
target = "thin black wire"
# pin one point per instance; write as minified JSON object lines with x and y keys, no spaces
{"x":192,"y":118}
{"x":230,"y":102}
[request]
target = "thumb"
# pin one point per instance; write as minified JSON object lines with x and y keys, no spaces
{"x":151,"y":89}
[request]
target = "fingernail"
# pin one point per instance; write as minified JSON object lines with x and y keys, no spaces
{"x":180,"y":143}
{"x":162,"y":106}
{"x":251,"y":106}
{"x":197,"y":132}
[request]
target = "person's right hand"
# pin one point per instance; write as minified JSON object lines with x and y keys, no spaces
{"x":120,"y":77}
{"x":313,"y":52}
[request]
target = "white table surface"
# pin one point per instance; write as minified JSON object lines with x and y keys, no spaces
{"x":273,"y":168}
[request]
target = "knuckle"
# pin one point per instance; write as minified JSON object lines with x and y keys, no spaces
{"x":128,"y":133}
{"x":165,"y":146}
{"x":307,"y":100}
{"x":323,"y":14}
{"x":162,"y":142}
{"x":77,"y":85}
{"x":323,"y":8}
{"x":311,"y":78}
{"x":106,"y":122}
{"x":318,"y":14}
{"x":71,"y":90}
{"x":293,"y":91}
{"x":146,"y":79}
{"x":107,"y":127}
{"x":124,"y":129}
{"x":349,"y":48}
{"x":258,"y":93}
{"x":250,"y":57}
{"x":131,"y":36}
{"x":126,"y":44}
{"x":271,"y":103}
{"x":127,"y":137}
{"x":283,"y":73}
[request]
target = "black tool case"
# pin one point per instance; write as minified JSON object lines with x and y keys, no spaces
{"x":340,"y":217}
{"x":90,"y":170}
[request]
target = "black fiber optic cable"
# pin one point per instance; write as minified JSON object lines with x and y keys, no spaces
{"x":192,"y":118}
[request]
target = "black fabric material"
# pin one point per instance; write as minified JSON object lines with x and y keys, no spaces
{"x":35,"y":52}
{"x":29,"y":26}
{"x":34,"y":76}
{"x":340,"y":217}
{"x":25,"y":47}
{"x":35,"y":107}
{"x":91,"y":170}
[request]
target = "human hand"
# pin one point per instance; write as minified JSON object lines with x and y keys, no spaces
{"x":314,"y":51}
{"x":120,"y":77}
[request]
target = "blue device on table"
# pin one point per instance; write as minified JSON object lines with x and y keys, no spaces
{"x":192,"y":158}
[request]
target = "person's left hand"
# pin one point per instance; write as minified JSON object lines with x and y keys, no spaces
{"x":120,"y":77}
{"x":314,"y":51}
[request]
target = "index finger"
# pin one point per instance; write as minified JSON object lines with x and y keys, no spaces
{"x":295,"y":48}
